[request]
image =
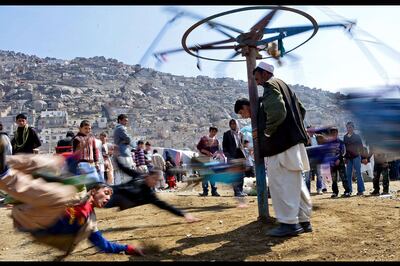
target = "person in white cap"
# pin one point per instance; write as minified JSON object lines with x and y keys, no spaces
{"x":282,"y":137}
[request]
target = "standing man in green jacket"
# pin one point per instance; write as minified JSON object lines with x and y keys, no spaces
{"x":282,"y":138}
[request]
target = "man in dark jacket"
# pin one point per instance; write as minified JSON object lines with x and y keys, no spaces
{"x":282,"y":138}
{"x":25,"y":137}
{"x":232,"y":145}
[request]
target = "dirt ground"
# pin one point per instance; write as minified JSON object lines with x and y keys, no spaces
{"x":345,"y":229}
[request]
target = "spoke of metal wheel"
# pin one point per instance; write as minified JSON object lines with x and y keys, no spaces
{"x":259,"y":26}
{"x":227,"y":27}
{"x":196,"y":48}
{"x":223,"y":32}
{"x":169,"y":51}
{"x":217,"y":42}
{"x":233,"y":55}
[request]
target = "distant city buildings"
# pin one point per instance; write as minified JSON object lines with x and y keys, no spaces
{"x":171,"y":111}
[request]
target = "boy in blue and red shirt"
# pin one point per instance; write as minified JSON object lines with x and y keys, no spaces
{"x":335,"y":157}
{"x":50,"y":211}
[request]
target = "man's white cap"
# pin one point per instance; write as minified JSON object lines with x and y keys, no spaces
{"x":267,"y":67}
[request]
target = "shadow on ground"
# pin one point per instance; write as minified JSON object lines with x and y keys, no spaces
{"x":237,"y":245}
{"x":207,"y":208}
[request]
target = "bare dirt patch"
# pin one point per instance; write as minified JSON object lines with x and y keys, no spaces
{"x":345,"y":229}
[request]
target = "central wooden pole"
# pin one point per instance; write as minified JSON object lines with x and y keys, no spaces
{"x":262,"y":195}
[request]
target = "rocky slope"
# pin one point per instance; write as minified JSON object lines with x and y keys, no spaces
{"x":166,"y":109}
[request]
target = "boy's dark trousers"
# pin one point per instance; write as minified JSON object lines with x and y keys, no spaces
{"x":341,"y":169}
{"x":380,"y":168}
{"x":204,"y":184}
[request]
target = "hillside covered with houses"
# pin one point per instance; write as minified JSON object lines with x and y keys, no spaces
{"x":168,"y":110}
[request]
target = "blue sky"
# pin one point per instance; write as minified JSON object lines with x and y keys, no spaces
{"x":330,"y":61}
